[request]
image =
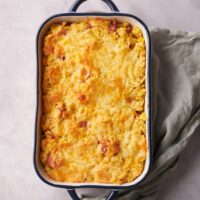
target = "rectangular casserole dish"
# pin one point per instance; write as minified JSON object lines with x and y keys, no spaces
{"x":73,"y":16}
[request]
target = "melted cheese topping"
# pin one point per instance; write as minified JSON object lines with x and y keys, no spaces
{"x":93,"y":123}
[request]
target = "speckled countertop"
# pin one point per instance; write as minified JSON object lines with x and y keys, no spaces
{"x":19,"y":22}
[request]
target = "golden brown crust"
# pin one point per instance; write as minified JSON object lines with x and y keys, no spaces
{"x":93,"y":88}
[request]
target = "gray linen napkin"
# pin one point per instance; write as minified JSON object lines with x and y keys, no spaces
{"x":176,"y":78}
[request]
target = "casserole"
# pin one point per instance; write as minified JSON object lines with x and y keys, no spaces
{"x":78,"y":17}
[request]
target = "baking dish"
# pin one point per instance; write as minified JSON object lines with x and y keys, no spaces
{"x":73,"y":16}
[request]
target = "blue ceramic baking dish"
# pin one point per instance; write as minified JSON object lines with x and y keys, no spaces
{"x":72,"y":15}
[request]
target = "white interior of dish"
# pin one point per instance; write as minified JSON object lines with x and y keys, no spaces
{"x":41,"y":35}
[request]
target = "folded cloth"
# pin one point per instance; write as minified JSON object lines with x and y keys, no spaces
{"x":176,"y":80}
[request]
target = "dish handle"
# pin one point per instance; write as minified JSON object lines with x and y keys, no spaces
{"x":74,"y":196}
{"x":77,"y":3}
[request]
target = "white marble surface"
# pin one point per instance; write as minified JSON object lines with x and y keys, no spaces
{"x":19,"y":22}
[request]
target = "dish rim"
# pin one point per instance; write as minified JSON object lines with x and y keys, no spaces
{"x":148,"y":87}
